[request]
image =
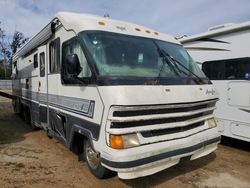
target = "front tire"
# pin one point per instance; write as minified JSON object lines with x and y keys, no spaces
{"x":93,"y":161}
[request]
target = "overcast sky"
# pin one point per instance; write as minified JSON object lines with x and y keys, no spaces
{"x":175,"y":17}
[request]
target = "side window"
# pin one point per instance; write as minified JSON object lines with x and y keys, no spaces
{"x":42,"y":64}
{"x":229,"y":69}
{"x":35,"y":60}
{"x":54,"y":56}
{"x":214,"y":70}
{"x":70,"y":48}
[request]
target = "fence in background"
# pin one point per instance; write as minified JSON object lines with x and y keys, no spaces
{"x":5,"y":84}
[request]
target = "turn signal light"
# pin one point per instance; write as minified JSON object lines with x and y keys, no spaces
{"x":116,"y":141}
{"x":123,"y":141}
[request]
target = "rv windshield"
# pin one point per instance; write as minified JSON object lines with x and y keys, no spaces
{"x":118,"y":55}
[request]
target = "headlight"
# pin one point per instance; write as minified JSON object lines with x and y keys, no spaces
{"x":212,"y":123}
{"x":123,"y":141}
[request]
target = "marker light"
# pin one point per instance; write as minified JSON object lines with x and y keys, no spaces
{"x":123,"y":141}
{"x":101,"y":23}
{"x":212,"y":123}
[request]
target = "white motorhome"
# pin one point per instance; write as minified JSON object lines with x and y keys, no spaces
{"x":224,"y":55}
{"x":125,"y":98}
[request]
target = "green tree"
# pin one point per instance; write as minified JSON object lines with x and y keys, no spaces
{"x":8,"y":49}
{"x":18,"y":40}
{"x":4,"y":52}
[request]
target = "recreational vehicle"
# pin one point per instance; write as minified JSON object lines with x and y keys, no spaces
{"x":224,"y":55}
{"x":125,"y":98}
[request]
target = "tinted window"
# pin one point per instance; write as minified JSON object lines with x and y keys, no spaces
{"x":230,"y":69}
{"x":54,"y":56}
{"x":42,"y":64}
{"x":35,"y":61}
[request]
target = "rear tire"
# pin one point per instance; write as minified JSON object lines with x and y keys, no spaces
{"x":26,"y":115}
{"x":21,"y":114}
{"x":93,"y":161}
{"x":16,"y":105}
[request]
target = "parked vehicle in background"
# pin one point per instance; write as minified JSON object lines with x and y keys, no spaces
{"x":123,"y":97}
{"x":224,"y":56}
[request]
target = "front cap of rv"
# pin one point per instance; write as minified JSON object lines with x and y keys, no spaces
{"x":131,"y":110}
{"x":145,"y":126}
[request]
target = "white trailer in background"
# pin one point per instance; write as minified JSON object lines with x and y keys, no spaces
{"x":112,"y":92}
{"x":224,"y":55}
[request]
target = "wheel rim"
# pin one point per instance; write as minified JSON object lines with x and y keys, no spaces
{"x":92,"y":156}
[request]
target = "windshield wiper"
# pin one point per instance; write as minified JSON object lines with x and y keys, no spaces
{"x":175,"y":61}
{"x":174,"y":64}
{"x":165,"y":60}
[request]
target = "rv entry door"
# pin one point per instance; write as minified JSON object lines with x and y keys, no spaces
{"x":42,"y":87}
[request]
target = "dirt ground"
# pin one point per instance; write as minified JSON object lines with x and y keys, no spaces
{"x":30,"y":159}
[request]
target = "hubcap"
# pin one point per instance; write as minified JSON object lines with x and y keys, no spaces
{"x":92,"y":156}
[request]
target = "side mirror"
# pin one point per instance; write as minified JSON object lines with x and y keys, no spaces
{"x":72,"y":64}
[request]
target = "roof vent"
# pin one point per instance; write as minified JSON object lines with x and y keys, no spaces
{"x":220,"y":26}
{"x":106,"y":15}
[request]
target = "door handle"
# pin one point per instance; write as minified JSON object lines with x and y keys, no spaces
{"x":39,"y":85}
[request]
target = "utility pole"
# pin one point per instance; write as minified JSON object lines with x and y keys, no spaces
{"x":3,"y":50}
{"x":4,"y":64}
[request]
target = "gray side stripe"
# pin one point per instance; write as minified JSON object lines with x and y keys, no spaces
{"x":81,"y":106}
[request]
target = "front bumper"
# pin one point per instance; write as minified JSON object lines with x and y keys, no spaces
{"x":159,"y":156}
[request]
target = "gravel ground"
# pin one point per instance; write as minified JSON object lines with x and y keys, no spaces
{"x":30,"y":159}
